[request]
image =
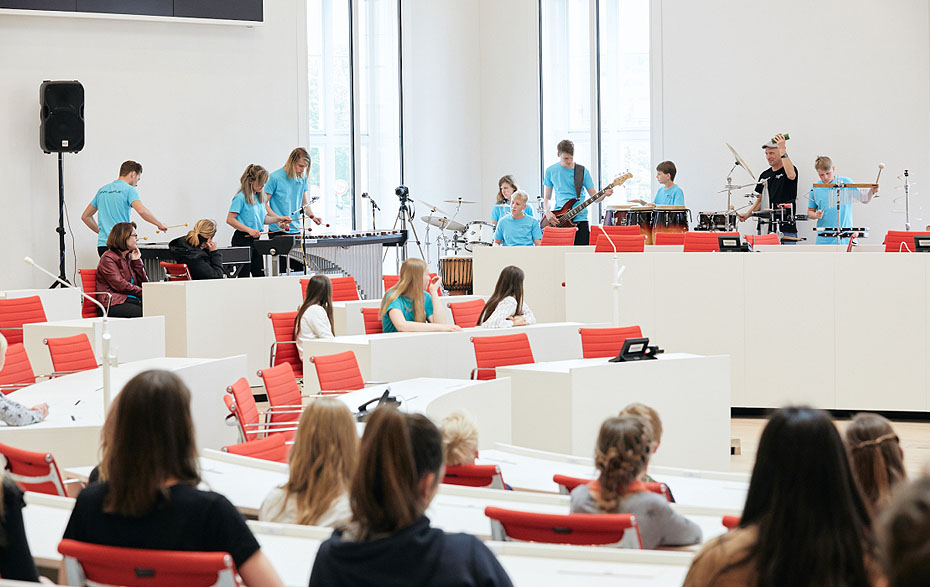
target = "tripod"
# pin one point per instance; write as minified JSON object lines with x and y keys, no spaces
{"x":405,"y":216}
{"x":61,"y":224}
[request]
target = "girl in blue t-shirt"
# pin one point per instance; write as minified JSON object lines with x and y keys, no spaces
{"x":406,"y":307}
{"x":248,"y":216}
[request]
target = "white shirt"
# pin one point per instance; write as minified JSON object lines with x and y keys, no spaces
{"x":505,"y":309}
{"x":313,"y":324}
{"x":339,"y":514}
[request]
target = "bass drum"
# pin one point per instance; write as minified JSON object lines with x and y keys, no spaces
{"x":479,"y":234}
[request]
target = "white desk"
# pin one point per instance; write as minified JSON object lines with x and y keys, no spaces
{"x":61,"y":303}
{"x":72,"y":430}
{"x":347,"y":316}
{"x":559,"y":406}
{"x":404,"y":355}
{"x":222,"y":317}
{"x":132,"y":339}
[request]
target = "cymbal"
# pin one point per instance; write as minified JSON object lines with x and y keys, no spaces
{"x":459,"y":201}
{"x":740,"y":161}
{"x":432,"y":207}
{"x":443,"y":223}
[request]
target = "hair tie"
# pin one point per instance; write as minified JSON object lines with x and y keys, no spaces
{"x":876,"y":441}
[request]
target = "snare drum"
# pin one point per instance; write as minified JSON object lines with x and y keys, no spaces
{"x":716,"y":221}
{"x":671,"y":219}
{"x":479,"y":234}
{"x":456,"y":276}
{"x":643,"y":217}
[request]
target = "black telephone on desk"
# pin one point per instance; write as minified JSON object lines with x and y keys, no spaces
{"x":386,"y":399}
{"x":637,"y":349}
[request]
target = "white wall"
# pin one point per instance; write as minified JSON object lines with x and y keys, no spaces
{"x":193,"y":103}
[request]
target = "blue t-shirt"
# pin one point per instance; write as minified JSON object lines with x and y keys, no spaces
{"x":405,"y":305}
{"x":562,"y":182}
{"x":825,"y":199}
{"x":252,"y":215}
{"x":286,"y":195}
{"x":114,"y":204}
{"x":501,"y":210}
{"x":672,"y":196}
{"x":518,"y":233}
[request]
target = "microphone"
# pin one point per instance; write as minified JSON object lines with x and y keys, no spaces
{"x":30,"y":261}
{"x":372,"y":200}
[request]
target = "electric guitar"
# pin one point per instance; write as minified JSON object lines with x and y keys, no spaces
{"x":565,"y":214}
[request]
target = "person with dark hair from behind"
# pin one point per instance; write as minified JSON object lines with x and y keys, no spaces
{"x":624,"y":446}
{"x":804,"y":522}
{"x":197,"y":250}
{"x":315,"y":316}
{"x":506,"y":308}
{"x":390,"y":541}
{"x":148,"y":497}
{"x":16,"y":561}
{"x":903,"y":531}
{"x":121,"y":273}
{"x":877,"y":458}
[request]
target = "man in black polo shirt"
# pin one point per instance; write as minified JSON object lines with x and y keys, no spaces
{"x":782,"y":180}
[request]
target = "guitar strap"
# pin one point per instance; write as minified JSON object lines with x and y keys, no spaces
{"x":579,"y":180}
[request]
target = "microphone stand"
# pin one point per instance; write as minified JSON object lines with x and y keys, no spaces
{"x":617,"y":284}
{"x":374,"y":206}
{"x":907,"y":208}
{"x":108,"y":360}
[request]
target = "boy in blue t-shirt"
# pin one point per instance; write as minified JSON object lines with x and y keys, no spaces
{"x":518,"y":229}
{"x":821,"y":204}
{"x":561,"y":179}
{"x":669,"y":194}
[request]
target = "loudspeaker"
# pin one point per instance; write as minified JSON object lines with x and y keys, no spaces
{"x":61,"y":119}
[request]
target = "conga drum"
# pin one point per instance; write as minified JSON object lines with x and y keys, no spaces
{"x":670,"y":219}
{"x":456,"y":275}
{"x":615,"y":215}
{"x":644,"y":218}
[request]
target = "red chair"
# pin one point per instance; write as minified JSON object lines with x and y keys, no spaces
{"x":33,"y":471}
{"x":580,"y":529}
{"x":597,"y":230}
{"x":373,"y":324}
{"x":669,"y":238}
{"x":558,"y":237}
{"x":95,"y":564}
{"x":390,"y":281}
{"x":606,"y":342}
{"x":14,"y":312}
{"x":624,"y":243}
{"x":500,"y":351}
{"x":762,"y":239}
{"x":475,"y":476}
{"x":283,"y":394}
{"x":270,"y":448}
{"x":176,"y":271}
{"x":344,"y":288}
{"x":567,"y":484}
{"x":88,"y":285}
{"x":284,"y":347}
{"x":704,"y":242}
{"x":338,"y":373}
{"x":730,"y":522}
{"x":71,"y":354}
{"x":252,"y":423}
{"x":465,"y":314}
{"x":17,"y":371}
{"x":901,"y":241}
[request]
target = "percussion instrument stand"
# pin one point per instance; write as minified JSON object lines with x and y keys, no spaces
{"x":427,"y":242}
{"x":907,"y":209}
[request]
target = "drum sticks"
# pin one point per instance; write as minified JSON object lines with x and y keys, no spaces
{"x":170,"y":227}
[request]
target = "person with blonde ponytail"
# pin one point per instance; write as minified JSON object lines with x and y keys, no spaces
{"x":624,"y":446}
{"x":876,"y":457}
{"x":321,"y":463}
{"x":248,"y":215}
{"x":406,"y":307}
{"x":459,"y":439}
{"x":389,"y":540}
{"x":287,"y":190}
{"x":198,"y":251}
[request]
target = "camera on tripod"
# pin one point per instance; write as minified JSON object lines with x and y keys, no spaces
{"x":402,"y":192}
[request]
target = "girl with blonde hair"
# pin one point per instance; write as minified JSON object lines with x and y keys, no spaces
{"x":459,"y":439}
{"x":406,"y":307}
{"x":876,"y":457}
{"x":322,"y":462}
{"x":198,"y":251}
{"x":287,"y":189}
{"x":248,"y":216}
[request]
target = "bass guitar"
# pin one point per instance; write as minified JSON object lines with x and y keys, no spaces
{"x":565,"y":214}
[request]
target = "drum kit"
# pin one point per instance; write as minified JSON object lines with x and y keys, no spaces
{"x":455,"y":244}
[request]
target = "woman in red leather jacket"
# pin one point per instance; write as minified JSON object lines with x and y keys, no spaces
{"x":121,"y":273}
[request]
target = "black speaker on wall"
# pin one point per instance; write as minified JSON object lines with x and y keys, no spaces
{"x":61,"y":120}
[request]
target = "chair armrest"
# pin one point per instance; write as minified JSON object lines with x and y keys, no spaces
{"x":101,"y":293}
{"x":476,"y":369}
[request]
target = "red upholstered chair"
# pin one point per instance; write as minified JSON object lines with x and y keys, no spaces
{"x":567,"y":484}
{"x":17,"y":371}
{"x":344,"y":288}
{"x":597,"y":230}
{"x":14,"y":312}
{"x":558,"y":237}
{"x":71,"y":354}
{"x":624,"y":243}
{"x":391,"y":280}
{"x":499,"y":351}
{"x":704,"y":242}
{"x":252,"y":423}
{"x":606,"y":342}
{"x":270,"y":448}
{"x":373,"y":324}
{"x":283,"y":394}
{"x":94,"y":564}
{"x":465,"y":314}
{"x":284,"y":347}
{"x":669,"y":238}
{"x":338,"y":373}
{"x":762,"y":239}
{"x":176,"y":271}
{"x":475,"y":476}
{"x":901,"y":241}
{"x":33,"y":471}
{"x":730,"y":522}
{"x":580,"y":529}
{"x":88,"y":285}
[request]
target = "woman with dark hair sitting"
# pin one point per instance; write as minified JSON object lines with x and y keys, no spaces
{"x":804,"y":522}
{"x":120,"y":273}
{"x":390,"y":541}
{"x":148,"y":496}
{"x":506,"y":308}
{"x":197,"y":250}
{"x":877,"y":458}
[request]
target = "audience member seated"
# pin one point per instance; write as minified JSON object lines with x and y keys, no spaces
{"x":14,"y":413}
{"x":459,"y":440}
{"x":148,"y":495}
{"x":322,"y":461}
{"x":15,"y":558}
{"x":804,"y":523}
{"x":315,"y":315}
{"x":506,"y":308}
{"x":877,"y":458}
{"x":622,"y":452}
{"x":904,"y":535}
{"x":655,"y":424}
{"x":406,"y":307}
{"x":120,"y":272}
{"x":198,"y":251}
{"x":390,"y":541}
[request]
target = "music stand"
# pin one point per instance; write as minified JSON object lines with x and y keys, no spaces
{"x":274,"y":248}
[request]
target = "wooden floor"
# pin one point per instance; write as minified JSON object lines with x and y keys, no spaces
{"x":915,"y":441}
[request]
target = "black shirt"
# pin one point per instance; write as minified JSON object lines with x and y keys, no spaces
{"x":189,"y":519}
{"x":15,"y":559}
{"x":781,"y":191}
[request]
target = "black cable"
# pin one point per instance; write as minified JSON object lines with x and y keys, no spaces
{"x":73,"y":250}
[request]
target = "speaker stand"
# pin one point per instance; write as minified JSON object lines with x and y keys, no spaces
{"x":61,"y":224}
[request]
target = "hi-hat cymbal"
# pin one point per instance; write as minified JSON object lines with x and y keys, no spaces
{"x":443,"y":223}
{"x":433,"y":208}
{"x":459,"y":201}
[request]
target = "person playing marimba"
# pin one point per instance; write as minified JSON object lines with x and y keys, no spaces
{"x":821,"y":205}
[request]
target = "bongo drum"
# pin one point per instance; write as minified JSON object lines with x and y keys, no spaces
{"x":456,"y":275}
